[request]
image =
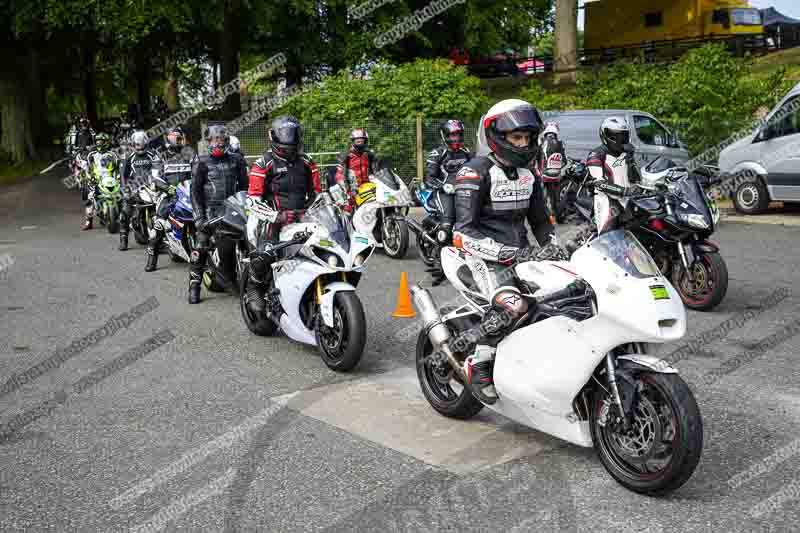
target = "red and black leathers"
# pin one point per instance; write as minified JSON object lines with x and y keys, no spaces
{"x":353,"y":170}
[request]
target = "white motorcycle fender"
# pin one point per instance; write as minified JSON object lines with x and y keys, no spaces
{"x":653,"y":363}
{"x":326,"y":304}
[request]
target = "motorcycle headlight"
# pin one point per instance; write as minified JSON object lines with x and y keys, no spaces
{"x":363,"y":256}
{"x":448,"y":188}
{"x":332,"y":259}
{"x":441,"y":235}
{"x":697,"y":221}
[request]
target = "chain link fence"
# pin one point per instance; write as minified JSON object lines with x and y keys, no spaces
{"x":405,"y":143}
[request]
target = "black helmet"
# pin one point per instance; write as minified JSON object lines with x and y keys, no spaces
{"x":359,"y":134}
{"x":217,"y":139}
{"x":286,"y":137}
{"x":174,"y":139}
{"x":452,"y":132}
{"x":615,"y":134}
{"x":509,"y":116}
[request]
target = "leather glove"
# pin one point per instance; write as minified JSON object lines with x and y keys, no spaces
{"x":551,"y":252}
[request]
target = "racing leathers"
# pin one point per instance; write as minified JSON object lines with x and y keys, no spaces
{"x":353,"y":170}
{"x":213,"y":180}
{"x":177,"y":167}
{"x":282,"y":189}
{"x":442,"y":166}
{"x":492,"y":204}
{"x":79,"y":139}
{"x":138,"y":170}
{"x":613,"y":178}
{"x":101,"y":164}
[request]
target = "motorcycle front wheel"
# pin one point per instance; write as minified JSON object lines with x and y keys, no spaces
{"x":113,"y":219}
{"x":661,"y":450}
{"x":140,"y":228}
{"x":705,"y":285}
{"x":342,"y":345}
{"x":395,"y":237}
{"x":428,"y":251}
{"x":259,"y":324}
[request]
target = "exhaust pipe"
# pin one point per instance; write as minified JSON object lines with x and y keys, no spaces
{"x":417,"y":228}
{"x":437,"y":332}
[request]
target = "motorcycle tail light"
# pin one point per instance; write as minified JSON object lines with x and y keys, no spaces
{"x":656,"y":224}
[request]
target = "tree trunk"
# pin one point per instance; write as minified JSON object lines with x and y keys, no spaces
{"x":171,"y":97}
{"x":229,"y":50}
{"x":89,"y":62}
{"x":17,"y":137}
{"x":565,"y":47}
{"x":38,"y":99}
{"x":143,"y":80}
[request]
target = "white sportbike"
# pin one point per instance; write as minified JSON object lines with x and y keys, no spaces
{"x":382,"y":205}
{"x":575,"y":365}
{"x":311,"y":294}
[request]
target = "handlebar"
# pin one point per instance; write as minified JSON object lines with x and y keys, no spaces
{"x":576,"y":288}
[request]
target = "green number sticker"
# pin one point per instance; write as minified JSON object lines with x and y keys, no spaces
{"x":659,"y":292}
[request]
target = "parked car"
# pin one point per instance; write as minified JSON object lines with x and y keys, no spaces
{"x":768,"y":159}
{"x":580,"y":131}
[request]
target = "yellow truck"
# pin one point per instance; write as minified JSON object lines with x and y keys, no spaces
{"x":619,"y":23}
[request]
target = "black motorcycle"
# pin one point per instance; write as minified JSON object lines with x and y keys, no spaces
{"x":672,"y":218}
{"x":571,"y":188}
{"x":431,"y":234}
{"x":228,"y":244}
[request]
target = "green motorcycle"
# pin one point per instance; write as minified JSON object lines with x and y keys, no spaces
{"x":108,"y":199}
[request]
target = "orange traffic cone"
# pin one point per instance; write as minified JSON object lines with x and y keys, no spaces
{"x":404,"y":308}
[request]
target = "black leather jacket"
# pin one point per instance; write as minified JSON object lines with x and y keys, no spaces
{"x":443,"y":164}
{"x":213,"y":180}
{"x":492,"y":205}
{"x":177,"y":167}
{"x":138,"y":170}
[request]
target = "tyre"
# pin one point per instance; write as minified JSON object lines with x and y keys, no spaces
{"x":751,"y":197}
{"x":140,"y":232}
{"x":439,"y":384}
{"x":395,"y":237}
{"x":428,"y":251}
{"x":260,"y":325}
{"x":113,"y":219}
{"x":563,"y":194}
{"x":705,"y":286}
{"x":661,"y":451}
{"x":552,"y":190}
{"x":342,"y":345}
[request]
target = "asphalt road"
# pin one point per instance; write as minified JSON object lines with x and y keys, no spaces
{"x":210,"y":428}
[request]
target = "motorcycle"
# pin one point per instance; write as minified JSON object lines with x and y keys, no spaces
{"x":143,"y":212}
{"x":572,"y":190}
{"x":551,"y":180}
{"x":660,"y":169}
{"x":228,"y":234}
{"x":589,"y":381}
{"x":311,"y":294}
{"x":431,"y":236}
{"x":382,"y":206}
{"x":180,"y":238}
{"x":673,"y":220}
{"x":108,"y":200}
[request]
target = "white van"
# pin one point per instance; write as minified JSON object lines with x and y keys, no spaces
{"x":770,"y":155}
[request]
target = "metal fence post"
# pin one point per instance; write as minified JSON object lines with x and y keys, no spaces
{"x":420,"y":155}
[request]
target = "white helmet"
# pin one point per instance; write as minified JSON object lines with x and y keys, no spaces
{"x":615,"y":134}
{"x":505,"y":117}
{"x":550,"y":127}
{"x":234,"y":144}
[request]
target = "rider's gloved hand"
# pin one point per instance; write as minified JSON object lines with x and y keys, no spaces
{"x":172,"y":190}
{"x":551,"y":252}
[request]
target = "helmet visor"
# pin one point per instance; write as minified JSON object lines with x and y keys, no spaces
{"x":619,"y":137}
{"x":524,"y":118}
{"x":287,"y":133}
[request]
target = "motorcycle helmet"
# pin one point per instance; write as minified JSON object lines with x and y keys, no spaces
{"x":452,"y":133}
{"x":366,"y":193}
{"x":509,"y":116}
{"x":359,"y":138}
{"x":174,"y":139}
{"x":103,"y":141}
{"x":286,"y":137}
{"x":615,"y":133}
{"x":551,"y":131}
{"x":217,"y":139}
{"x":83,"y":122}
{"x":139,"y":141}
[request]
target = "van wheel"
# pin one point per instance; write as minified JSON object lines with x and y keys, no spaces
{"x":751,"y":197}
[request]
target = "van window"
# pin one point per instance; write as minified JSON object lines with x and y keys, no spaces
{"x":649,"y":131}
{"x":790,"y":124}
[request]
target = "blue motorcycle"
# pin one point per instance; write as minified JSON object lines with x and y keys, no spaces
{"x":180,"y":238}
{"x":431,"y":235}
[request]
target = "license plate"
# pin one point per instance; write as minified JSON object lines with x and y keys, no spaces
{"x":659,"y":292}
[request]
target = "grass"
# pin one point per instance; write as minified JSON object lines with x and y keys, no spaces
{"x":13,"y":174}
{"x":763,"y":66}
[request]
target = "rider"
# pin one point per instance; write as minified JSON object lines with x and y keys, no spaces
{"x":552,"y":154}
{"x":215,"y":177}
{"x":443,"y":163}
{"x":177,"y":159}
{"x":355,"y":165}
{"x":81,"y":136}
{"x":283,"y":182}
{"x":613,"y":171}
{"x":495,"y":194}
{"x":101,"y":155}
{"x":138,"y":169}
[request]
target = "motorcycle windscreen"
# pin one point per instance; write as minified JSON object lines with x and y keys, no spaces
{"x":184,"y":197}
{"x":388,"y":178}
{"x":692,"y":199}
{"x":333,"y":219}
{"x":625,"y":252}
{"x":234,"y":217}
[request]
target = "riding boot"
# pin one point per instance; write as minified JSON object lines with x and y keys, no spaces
{"x":198,"y":260}
{"x":153,"y":248}
{"x":87,"y":224}
{"x":123,"y":241}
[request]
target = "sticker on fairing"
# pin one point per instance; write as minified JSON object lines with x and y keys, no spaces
{"x":362,"y":240}
{"x":659,"y":292}
{"x":326,"y":243}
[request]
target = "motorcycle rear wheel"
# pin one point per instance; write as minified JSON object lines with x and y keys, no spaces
{"x":661,"y":451}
